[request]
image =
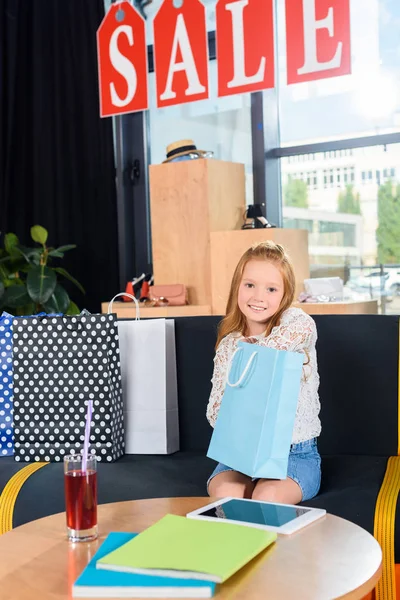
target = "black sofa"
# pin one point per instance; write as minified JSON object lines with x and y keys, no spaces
{"x":358,"y":359}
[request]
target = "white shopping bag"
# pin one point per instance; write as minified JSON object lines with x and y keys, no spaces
{"x":149,"y":385}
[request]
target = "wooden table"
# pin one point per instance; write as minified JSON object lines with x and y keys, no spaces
{"x":331,"y":558}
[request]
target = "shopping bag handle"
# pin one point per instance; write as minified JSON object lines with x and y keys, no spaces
{"x":245,"y":371}
{"x":137,"y":318}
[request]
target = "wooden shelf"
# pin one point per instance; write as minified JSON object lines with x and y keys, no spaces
{"x":126,"y":310}
{"x":363,"y":307}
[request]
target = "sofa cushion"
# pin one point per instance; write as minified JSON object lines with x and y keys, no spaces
{"x":350,"y":487}
{"x":358,"y":358}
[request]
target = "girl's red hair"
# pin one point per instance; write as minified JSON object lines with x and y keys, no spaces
{"x":270,"y":252}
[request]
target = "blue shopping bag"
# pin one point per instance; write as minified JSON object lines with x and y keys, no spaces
{"x":6,"y":386}
{"x":253,"y":432}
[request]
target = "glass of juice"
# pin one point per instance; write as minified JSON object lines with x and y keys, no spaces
{"x":80,"y":498}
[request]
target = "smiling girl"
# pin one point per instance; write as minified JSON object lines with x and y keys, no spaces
{"x":259,"y":311}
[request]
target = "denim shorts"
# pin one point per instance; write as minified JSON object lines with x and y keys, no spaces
{"x":304,"y":467}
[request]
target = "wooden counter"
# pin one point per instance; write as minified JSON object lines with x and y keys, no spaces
{"x":364,"y":307}
{"x":126,"y":310}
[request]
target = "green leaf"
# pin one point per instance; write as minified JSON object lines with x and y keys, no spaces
{"x":16,"y":295}
{"x":27,"y":309}
{"x":27,"y":252}
{"x":6,"y":259}
{"x":41,"y":283}
{"x":56,"y":254}
{"x":39,"y":234}
{"x":65,"y":274}
{"x":18,"y":265}
{"x":66,"y":248}
{"x":58,"y":302}
{"x":72,"y":309}
{"x":1,"y":289}
{"x":10,"y":241}
{"x":4,"y":273}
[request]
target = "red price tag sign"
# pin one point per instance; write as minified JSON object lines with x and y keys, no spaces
{"x":180,"y":52}
{"x":245,"y":46}
{"x":317,"y":39}
{"x":122,"y":61}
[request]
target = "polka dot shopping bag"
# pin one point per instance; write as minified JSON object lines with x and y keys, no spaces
{"x":59,"y":364}
{"x":6,"y":385}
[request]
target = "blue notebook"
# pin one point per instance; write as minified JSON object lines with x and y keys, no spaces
{"x":95,"y":583}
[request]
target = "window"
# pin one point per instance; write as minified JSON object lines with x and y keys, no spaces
{"x":361,"y":104}
{"x":222,"y":125}
{"x":299,"y":224}
{"x":345,"y":233}
{"x":342,"y":214}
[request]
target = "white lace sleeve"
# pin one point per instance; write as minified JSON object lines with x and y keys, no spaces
{"x":297,"y":332}
{"x":218,"y":380}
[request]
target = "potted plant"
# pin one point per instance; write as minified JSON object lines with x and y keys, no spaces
{"x":29,"y":283}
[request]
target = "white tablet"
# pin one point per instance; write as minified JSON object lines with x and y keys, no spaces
{"x":282,"y":518}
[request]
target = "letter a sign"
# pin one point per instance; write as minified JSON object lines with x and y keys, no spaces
{"x":180,"y":53}
{"x":122,"y":61}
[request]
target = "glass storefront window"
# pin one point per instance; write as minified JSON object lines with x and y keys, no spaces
{"x":367,"y":102}
{"x":222,"y":125}
{"x":352,"y":215}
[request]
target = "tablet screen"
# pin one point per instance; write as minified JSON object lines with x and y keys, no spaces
{"x":255,"y":512}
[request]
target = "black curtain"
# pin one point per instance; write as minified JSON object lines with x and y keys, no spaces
{"x":56,"y":154}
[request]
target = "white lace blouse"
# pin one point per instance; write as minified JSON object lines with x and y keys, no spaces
{"x":296,"y":332}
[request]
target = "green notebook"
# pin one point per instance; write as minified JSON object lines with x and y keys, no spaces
{"x":189,"y":548}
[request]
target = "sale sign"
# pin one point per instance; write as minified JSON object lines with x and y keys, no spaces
{"x":317,"y":47}
{"x":180,"y":52}
{"x":245,"y":46}
{"x":122,"y":61}
{"x":317,"y":39}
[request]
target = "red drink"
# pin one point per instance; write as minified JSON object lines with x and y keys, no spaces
{"x":81,"y":499}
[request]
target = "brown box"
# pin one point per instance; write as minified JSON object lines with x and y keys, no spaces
{"x":188,"y":201}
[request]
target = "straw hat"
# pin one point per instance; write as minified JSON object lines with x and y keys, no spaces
{"x":181,"y":148}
